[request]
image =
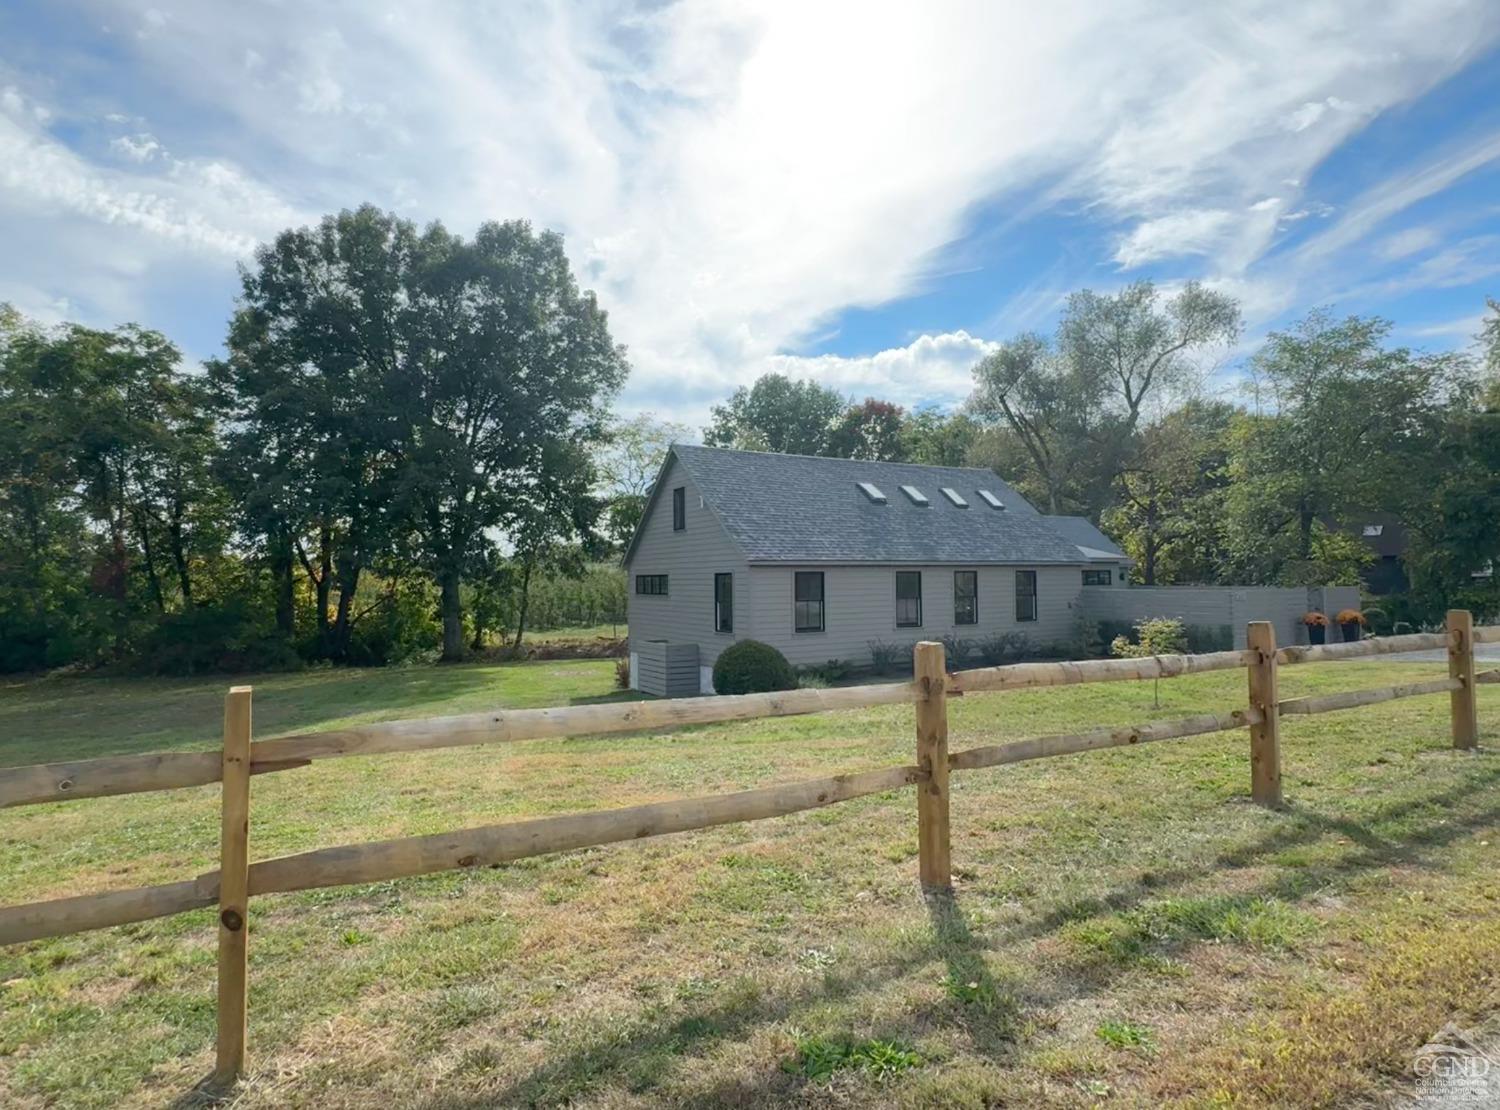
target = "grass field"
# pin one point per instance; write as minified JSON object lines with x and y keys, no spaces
{"x":1127,"y":929}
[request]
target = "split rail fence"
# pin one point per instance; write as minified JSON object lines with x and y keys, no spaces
{"x":238,"y":879}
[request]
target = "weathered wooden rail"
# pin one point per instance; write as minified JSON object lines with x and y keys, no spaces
{"x":238,"y":879}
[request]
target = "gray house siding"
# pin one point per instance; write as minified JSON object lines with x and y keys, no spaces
{"x":690,"y":559}
{"x":860,"y":606}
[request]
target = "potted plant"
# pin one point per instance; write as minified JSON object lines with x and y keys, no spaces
{"x":1317,"y":626}
{"x":1351,"y":623}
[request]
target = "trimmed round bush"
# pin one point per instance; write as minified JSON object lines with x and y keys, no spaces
{"x":751,"y":667}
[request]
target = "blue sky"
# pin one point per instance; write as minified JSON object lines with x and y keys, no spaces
{"x":871,"y":195}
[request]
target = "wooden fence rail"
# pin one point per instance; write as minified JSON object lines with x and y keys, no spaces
{"x":238,"y":879}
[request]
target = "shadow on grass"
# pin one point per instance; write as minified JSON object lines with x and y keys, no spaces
{"x":643,"y":1056}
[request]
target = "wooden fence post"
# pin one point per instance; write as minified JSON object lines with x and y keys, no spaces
{"x":1265,"y":736}
{"x":933,"y":849}
{"x":234,"y":882}
{"x":1461,"y":666}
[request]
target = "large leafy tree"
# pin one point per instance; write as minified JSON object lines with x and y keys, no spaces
{"x":327,"y":328}
{"x":628,"y":465}
{"x":871,"y":430}
{"x":510,"y":370}
{"x":1169,"y":515}
{"x":1073,"y":403}
{"x":1046,"y":407}
{"x":1354,"y":427}
{"x":777,"y":414}
{"x":935,"y":438}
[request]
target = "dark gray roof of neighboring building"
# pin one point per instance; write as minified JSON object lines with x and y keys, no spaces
{"x":801,"y":509}
{"x":1094,"y":543}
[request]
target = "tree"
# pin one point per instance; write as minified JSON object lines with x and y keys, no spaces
{"x":777,"y":414}
{"x":510,"y":371}
{"x":1355,"y":429}
{"x":328,"y":327}
{"x":1170,"y":512}
{"x":628,"y":465}
{"x":1047,"y":406}
{"x":871,"y":430}
{"x":934,"y":439}
{"x":1074,"y":403}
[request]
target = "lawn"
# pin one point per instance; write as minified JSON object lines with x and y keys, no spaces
{"x":1126,"y":927}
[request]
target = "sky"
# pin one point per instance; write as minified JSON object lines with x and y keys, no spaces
{"x":871,"y":195}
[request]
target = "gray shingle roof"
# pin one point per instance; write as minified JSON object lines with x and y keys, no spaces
{"x":1094,"y":543}
{"x":800,"y":509}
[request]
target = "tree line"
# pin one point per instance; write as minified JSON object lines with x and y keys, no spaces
{"x":1111,"y":416}
{"x":403,"y":419}
{"x":408,"y":448}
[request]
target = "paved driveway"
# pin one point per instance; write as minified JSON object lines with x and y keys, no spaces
{"x":1482,"y":653}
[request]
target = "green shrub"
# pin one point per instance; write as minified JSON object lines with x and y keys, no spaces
{"x":829,"y":673}
{"x":1003,"y":647}
{"x":957,"y":650}
{"x":224,"y":637}
{"x":1154,"y":636}
{"x":886,"y":657}
{"x":751,"y":667}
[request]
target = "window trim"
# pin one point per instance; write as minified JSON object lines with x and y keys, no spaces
{"x":821,"y":603}
{"x":719,"y":625}
{"x":918,"y":599}
{"x":679,"y":509}
{"x":1109,"y":577}
{"x":642,"y":579}
{"x":973,"y":598}
{"x":1031,"y":595}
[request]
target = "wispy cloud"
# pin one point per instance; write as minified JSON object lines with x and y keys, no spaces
{"x":731,"y":176}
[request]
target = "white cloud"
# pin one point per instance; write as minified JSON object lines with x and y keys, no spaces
{"x":137,"y":148}
{"x":1314,"y":110}
{"x":731,"y":176}
{"x":1411,"y":240}
{"x":1193,"y":232}
{"x":930,"y":369}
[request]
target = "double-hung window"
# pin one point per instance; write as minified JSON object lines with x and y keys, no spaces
{"x":723,"y":603}
{"x":966,"y":597}
{"x":807,"y":601}
{"x":908,"y":599}
{"x":1025,"y":595}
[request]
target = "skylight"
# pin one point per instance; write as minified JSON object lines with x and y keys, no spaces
{"x":991,"y":500}
{"x":872,"y":491}
{"x":916,"y":495}
{"x":1374,"y":529}
{"x":953,"y":495}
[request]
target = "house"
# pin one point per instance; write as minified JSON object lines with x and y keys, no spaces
{"x":823,"y":558}
{"x":1385,"y":536}
{"x":819,"y":557}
